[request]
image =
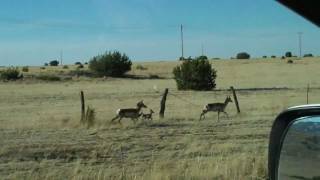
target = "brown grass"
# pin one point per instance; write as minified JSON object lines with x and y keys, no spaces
{"x":41,"y":136}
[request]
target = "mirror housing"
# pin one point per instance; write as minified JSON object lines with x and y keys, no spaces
{"x":279,"y":130}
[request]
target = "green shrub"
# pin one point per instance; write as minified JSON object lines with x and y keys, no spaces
{"x":77,"y":63}
{"x":308,"y":55}
{"x":25,"y":69}
{"x":195,"y":74}
{"x":46,"y":77}
{"x":243,"y":55}
{"x":288,"y":54}
{"x":202,"y":57}
{"x":273,"y":56}
{"x":65,"y":67}
{"x":11,"y":73}
{"x":54,"y":63}
{"x":181,"y":58}
{"x":264,"y":57}
{"x":290,"y":61}
{"x":80,"y":66}
{"x":110,"y":64}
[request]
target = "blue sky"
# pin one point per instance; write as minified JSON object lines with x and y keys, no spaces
{"x":35,"y":31}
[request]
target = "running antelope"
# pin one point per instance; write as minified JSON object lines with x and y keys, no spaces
{"x":133,"y":113}
{"x":148,"y":116}
{"x":216,"y":107}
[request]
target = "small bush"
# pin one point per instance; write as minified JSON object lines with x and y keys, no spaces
{"x":54,"y":63}
{"x":202,"y":57}
{"x":289,"y":61}
{"x":283,"y":57}
{"x":264,"y":57}
{"x":308,"y":55}
{"x":46,"y":77}
{"x":25,"y":69}
{"x":181,"y":58}
{"x":42,"y":68}
{"x":110,"y":64}
{"x":140,"y":67}
{"x":216,"y":58}
{"x":86,"y":63}
{"x":243,"y":55}
{"x":46,"y":64}
{"x":65,"y":67}
{"x":77,"y":63}
{"x":288,"y":54}
{"x":195,"y":74}
{"x":11,"y":73}
{"x":80,"y":66}
{"x":273,"y":56}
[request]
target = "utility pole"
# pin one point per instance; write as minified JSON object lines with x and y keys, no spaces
{"x":181,"y":29}
{"x":61,"y":54}
{"x":300,"y":43}
{"x":202,"y":51}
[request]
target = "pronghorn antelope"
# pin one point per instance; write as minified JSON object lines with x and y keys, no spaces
{"x":216,"y":107}
{"x":148,"y":116}
{"x":133,"y":113}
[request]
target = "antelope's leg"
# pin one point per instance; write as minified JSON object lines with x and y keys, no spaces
{"x":120,"y":120}
{"x":115,"y":118}
{"x":202,"y":115}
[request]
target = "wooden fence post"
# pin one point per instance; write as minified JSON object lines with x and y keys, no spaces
{"x":163,"y":103}
{"x":235,"y":98}
{"x":82,"y":107}
{"x":308,"y":94}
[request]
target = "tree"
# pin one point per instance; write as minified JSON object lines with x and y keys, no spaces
{"x":77,"y":63}
{"x":54,"y":63}
{"x":202,"y":57}
{"x":308,"y":55}
{"x":110,"y":64}
{"x":243,"y":55}
{"x":288,"y":54}
{"x":195,"y":74}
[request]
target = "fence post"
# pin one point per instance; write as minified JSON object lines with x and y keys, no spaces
{"x":163,"y":103}
{"x":308,"y":94}
{"x":82,"y":107}
{"x":235,"y":98}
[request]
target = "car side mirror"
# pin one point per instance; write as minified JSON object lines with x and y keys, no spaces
{"x":294,"y":147}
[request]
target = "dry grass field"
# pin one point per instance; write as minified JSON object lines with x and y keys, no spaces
{"x":41,"y":137}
